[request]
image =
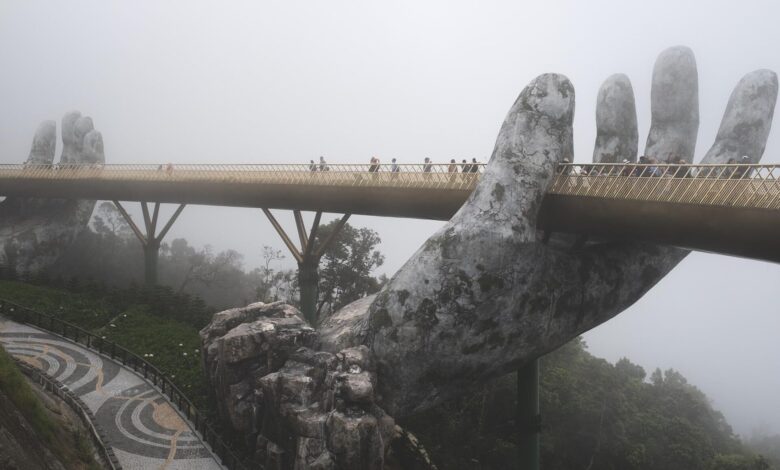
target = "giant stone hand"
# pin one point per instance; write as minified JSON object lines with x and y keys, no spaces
{"x":484,"y":295}
{"x":34,"y":232}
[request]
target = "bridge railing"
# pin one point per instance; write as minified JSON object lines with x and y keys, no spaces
{"x":732,"y":185}
{"x":461,"y":176}
{"x":131,"y":360}
{"x":756,"y":186}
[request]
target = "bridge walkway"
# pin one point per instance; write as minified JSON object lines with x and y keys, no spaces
{"x":730,"y":209}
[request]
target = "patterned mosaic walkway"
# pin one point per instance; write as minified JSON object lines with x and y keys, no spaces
{"x":143,"y":429}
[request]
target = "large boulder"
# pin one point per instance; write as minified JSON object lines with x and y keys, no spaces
{"x":302,"y":408}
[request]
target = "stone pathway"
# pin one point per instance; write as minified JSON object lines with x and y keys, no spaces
{"x":144,"y":430}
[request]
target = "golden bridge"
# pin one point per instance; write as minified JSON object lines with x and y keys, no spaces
{"x":728,"y":209}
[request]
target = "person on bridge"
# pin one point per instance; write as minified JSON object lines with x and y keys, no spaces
{"x":682,"y":171}
{"x":742,"y":171}
{"x":428,"y":166}
{"x":474,"y":165}
{"x":453,"y":167}
{"x":312,"y":165}
{"x":395,"y":168}
{"x":323,"y":164}
{"x":653,"y":168}
{"x":465,"y":167}
{"x":626,"y":170}
{"x":374,"y":167}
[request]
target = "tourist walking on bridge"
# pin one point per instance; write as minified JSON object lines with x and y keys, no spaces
{"x":323,"y":164}
{"x":312,"y":165}
{"x":474,"y":165}
{"x":374,"y":167}
{"x":395,"y":168}
{"x":742,"y":171}
{"x":465,"y":167}
{"x":428,"y":166}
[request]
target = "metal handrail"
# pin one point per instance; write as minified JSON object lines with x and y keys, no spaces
{"x":438,"y":176}
{"x":128,"y":358}
{"x":730,"y":185}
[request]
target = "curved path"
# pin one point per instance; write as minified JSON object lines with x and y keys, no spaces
{"x":143,"y":429}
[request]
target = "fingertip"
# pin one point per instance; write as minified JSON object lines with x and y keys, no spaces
{"x":93,"y":147}
{"x":675,"y":105}
{"x":44,"y":143}
{"x":747,"y":121}
{"x":616,"y":122}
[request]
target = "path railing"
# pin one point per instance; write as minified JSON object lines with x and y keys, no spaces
{"x":131,"y":360}
{"x":749,"y":186}
{"x":756,"y":186}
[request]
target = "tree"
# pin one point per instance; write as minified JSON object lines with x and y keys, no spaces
{"x":273,"y":285}
{"x":346,"y":266}
{"x":109,"y":221}
{"x":202,"y":266}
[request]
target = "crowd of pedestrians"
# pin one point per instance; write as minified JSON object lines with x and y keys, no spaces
{"x":375,"y":166}
{"x":672,"y":167}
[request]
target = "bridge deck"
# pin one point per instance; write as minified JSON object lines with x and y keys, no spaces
{"x":730,"y":209}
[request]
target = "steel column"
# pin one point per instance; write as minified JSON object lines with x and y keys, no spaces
{"x":529,"y":419}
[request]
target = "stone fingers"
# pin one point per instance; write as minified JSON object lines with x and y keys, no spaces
{"x":82,"y":144}
{"x":69,"y":140}
{"x":747,"y":121}
{"x":675,"y":106}
{"x":43,"y":145}
{"x":535,"y":136}
{"x":616,"y":127}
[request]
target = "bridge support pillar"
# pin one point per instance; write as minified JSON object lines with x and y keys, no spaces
{"x":151,"y":255}
{"x":529,"y":419}
{"x":308,"y":258}
{"x":149,"y":241}
{"x":308,"y":283}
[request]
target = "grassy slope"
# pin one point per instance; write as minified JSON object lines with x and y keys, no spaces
{"x":136,"y":328}
{"x":51,"y":430}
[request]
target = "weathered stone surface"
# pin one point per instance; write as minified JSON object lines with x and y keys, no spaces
{"x":244,"y":345}
{"x":674,"y":106}
{"x":303,"y":408}
{"x":35,"y":232}
{"x":617,"y":136}
{"x":747,"y":121}
{"x":347,"y":327}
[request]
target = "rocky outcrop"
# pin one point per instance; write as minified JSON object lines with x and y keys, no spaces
{"x":243,"y":345}
{"x":303,"y":408}
{"x":35,"y":232}
{"x":485,"y":294}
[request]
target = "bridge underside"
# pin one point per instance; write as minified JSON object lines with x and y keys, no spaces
{"x":735,"y":231}
{"x":409,"y":202}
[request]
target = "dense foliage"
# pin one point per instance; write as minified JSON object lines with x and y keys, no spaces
{"x":346,"y":266}
{"x":595,"y":416}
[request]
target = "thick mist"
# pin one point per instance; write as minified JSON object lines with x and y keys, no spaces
{"x":240,"y":82}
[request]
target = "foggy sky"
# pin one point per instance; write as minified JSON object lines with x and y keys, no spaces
{"x":285,"y":82}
